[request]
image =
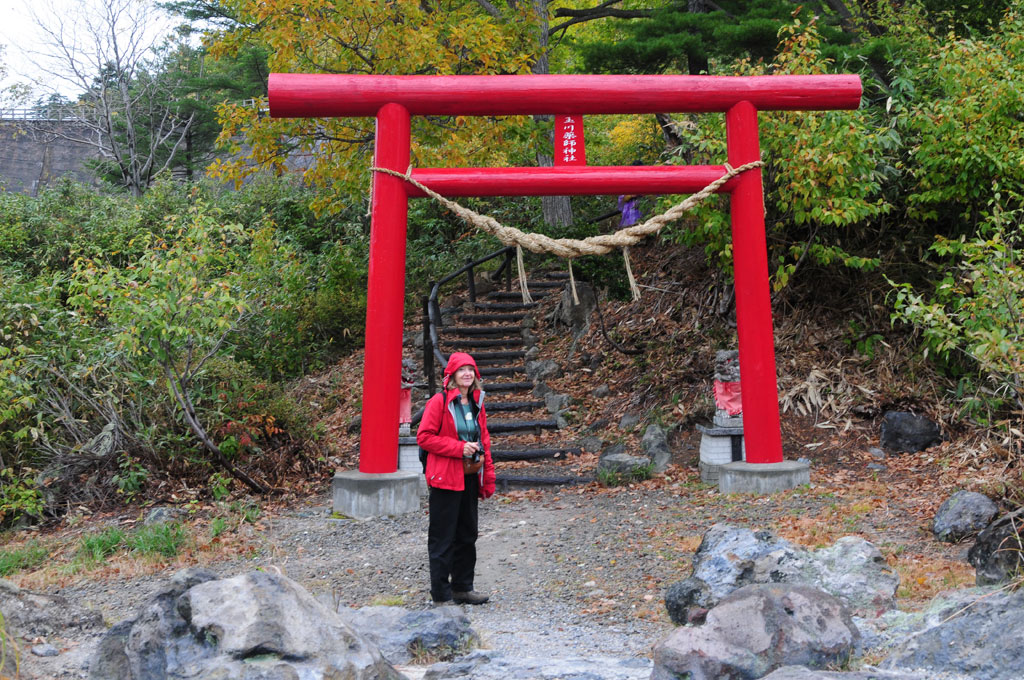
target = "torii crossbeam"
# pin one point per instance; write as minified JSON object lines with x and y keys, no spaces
{"x":393,"y":99}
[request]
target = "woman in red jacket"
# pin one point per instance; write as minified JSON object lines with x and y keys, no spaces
{"x":454,"y":434}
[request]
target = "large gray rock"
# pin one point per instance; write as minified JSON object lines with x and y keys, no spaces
{"x":543,"y":369}
{"x":856,"y":572}
{"x":629,"y":420}
{"x":729,"y":557}
{"x":852,"y":569}
{"x":906,"y":433}
{"x":997,"y":555}
{"x":979,"y":638}
{"x":491,"y":665}
{"x":654,"y":445}
{"x":576,"y":316}
{"x":400,"y":634}
{"x":556,"y":402}
{"x":257,"y":625}
{"x":964,"y":514}
{"x":688,"y":601}
{"x":622,"y":463}
{"x":804,"y":673}
{"x":756,"y":630}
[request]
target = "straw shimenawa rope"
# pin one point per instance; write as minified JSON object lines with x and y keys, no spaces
{"x":570,"y":248}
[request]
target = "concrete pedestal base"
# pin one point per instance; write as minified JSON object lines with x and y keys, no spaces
{"x":409,"y":460}
{"x":763,"y":478}
{"x":362,"y":495}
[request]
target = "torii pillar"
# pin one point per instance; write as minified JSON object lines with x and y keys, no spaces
{"x":393,"y":99}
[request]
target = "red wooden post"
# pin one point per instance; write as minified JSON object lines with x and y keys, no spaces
{"x":753,"y":301}
{"x":385,"y":300}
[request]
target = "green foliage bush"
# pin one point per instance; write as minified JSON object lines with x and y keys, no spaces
{"x":107,"y":303}
{"x":822,"y":176}
{"x":973,"y":321}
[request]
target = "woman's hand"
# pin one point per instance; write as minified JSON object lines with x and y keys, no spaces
{"x":469,"y":448}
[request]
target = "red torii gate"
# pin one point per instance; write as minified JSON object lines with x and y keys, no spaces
{"x":393,"y":99}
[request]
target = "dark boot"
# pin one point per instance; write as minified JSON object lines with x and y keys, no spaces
{"x":471,"y":597}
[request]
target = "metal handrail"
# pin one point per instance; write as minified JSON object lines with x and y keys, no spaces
{"x":44,"y":113}
{"x":432,"y":309}
{"x":73,"y":112}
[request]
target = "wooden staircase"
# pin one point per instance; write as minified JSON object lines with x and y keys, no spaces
{"x":525,"y":445}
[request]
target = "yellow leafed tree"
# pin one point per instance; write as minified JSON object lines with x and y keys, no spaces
{"x":379,"y":37}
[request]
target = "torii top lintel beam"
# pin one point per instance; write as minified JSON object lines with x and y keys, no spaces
{"x":308,"y":95}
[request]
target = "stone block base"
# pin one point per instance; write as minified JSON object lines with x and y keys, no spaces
{"x":365,"y":495}
{"x":721,"y":445}
{"x":709,"y":472}
{"x":763,"y":478}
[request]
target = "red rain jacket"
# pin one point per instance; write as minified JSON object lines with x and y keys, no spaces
{"x":438,"y":436}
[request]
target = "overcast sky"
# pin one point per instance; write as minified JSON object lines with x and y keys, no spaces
{"x":20,"y":37}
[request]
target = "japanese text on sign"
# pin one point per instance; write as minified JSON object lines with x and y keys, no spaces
{"x":569,"y":145}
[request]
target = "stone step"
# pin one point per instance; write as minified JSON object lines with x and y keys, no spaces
{"x":503,"y":306}
{"x":505,"y":406}
{"x":532,"y":454}
{"x":483,"y":342}
{"x":516,"y":426}
{"x":489,"y":318}
{"x":546,"y":284}
{"x":510,"y":331}
{"x":495,"y":357}
{"x":516,"y":295}
{"x":505,"y":481}
{"x":500,"y":370}
{"x":508,"y":387}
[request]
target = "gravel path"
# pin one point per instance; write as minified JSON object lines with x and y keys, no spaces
{"x":559,"y":585}
{"x":575,"y":572}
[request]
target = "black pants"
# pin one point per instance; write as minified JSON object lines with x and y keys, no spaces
{"x":451,"y":539}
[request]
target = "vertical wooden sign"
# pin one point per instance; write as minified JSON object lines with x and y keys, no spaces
{"x":569,"y":145}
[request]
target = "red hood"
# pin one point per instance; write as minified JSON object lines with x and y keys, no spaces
{"x":456,"y":361}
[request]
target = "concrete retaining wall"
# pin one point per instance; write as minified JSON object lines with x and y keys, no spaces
{"x":36,"y":154}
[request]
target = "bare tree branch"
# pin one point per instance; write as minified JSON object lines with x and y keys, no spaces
{"x":176,"y":384}
{"x":128,"y":106}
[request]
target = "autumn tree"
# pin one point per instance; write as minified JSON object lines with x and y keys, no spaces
{"x":401,"y":37}
{"x":440,"y":37}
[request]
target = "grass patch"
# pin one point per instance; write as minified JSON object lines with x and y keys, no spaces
{"x":95,"y":548}
{"x":164,"y":540}
{"x":19,"y":559}
{"x":248,"y":513}
{"x":921,"y":579}
{"x":218,"y":525}
{"x":388,"y":601}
